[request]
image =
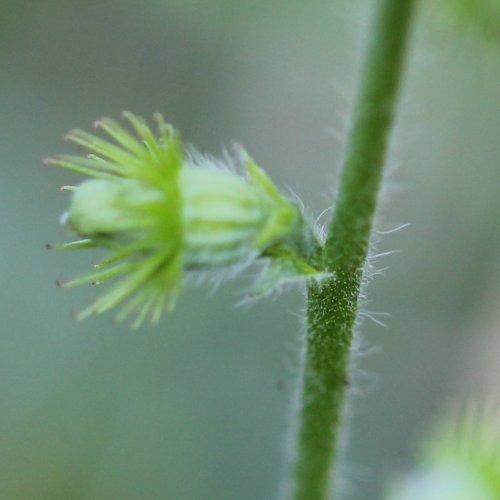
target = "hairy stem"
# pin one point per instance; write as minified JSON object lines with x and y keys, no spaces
{"x":333,"y":304}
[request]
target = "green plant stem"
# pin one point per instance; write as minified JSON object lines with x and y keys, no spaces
{"x":333,"y":304}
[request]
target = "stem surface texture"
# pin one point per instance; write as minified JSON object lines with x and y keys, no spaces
{"x":332,"y":304}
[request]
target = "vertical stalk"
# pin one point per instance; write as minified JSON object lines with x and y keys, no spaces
{"x":333,"y":304}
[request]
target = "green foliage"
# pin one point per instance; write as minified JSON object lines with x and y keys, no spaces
{"x":482,"y":16}
{"x":460,"y":461}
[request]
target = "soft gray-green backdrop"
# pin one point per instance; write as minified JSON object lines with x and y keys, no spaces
{"x":199,"y":407}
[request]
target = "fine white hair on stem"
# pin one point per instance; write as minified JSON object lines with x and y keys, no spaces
{"x":373,"y":316}
{"x":391,"y":230}
{"x":371,"y":272}
{"x":294,"y":197}
{"x":324,"y":212}
{"x":376,"y":256}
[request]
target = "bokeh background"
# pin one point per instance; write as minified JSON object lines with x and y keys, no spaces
{"x":199,"y":407}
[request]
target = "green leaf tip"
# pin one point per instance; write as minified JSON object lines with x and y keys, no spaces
{"x":162,"y":213}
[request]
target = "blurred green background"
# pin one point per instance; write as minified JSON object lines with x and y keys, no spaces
{"x":199,"y":407}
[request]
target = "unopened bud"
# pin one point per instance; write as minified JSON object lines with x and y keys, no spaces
{"x":162,"y":214}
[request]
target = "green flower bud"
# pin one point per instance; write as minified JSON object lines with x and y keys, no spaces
{"x":227,"y":218}
{"x":103,"y":207}
{"x":162,"y":214}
